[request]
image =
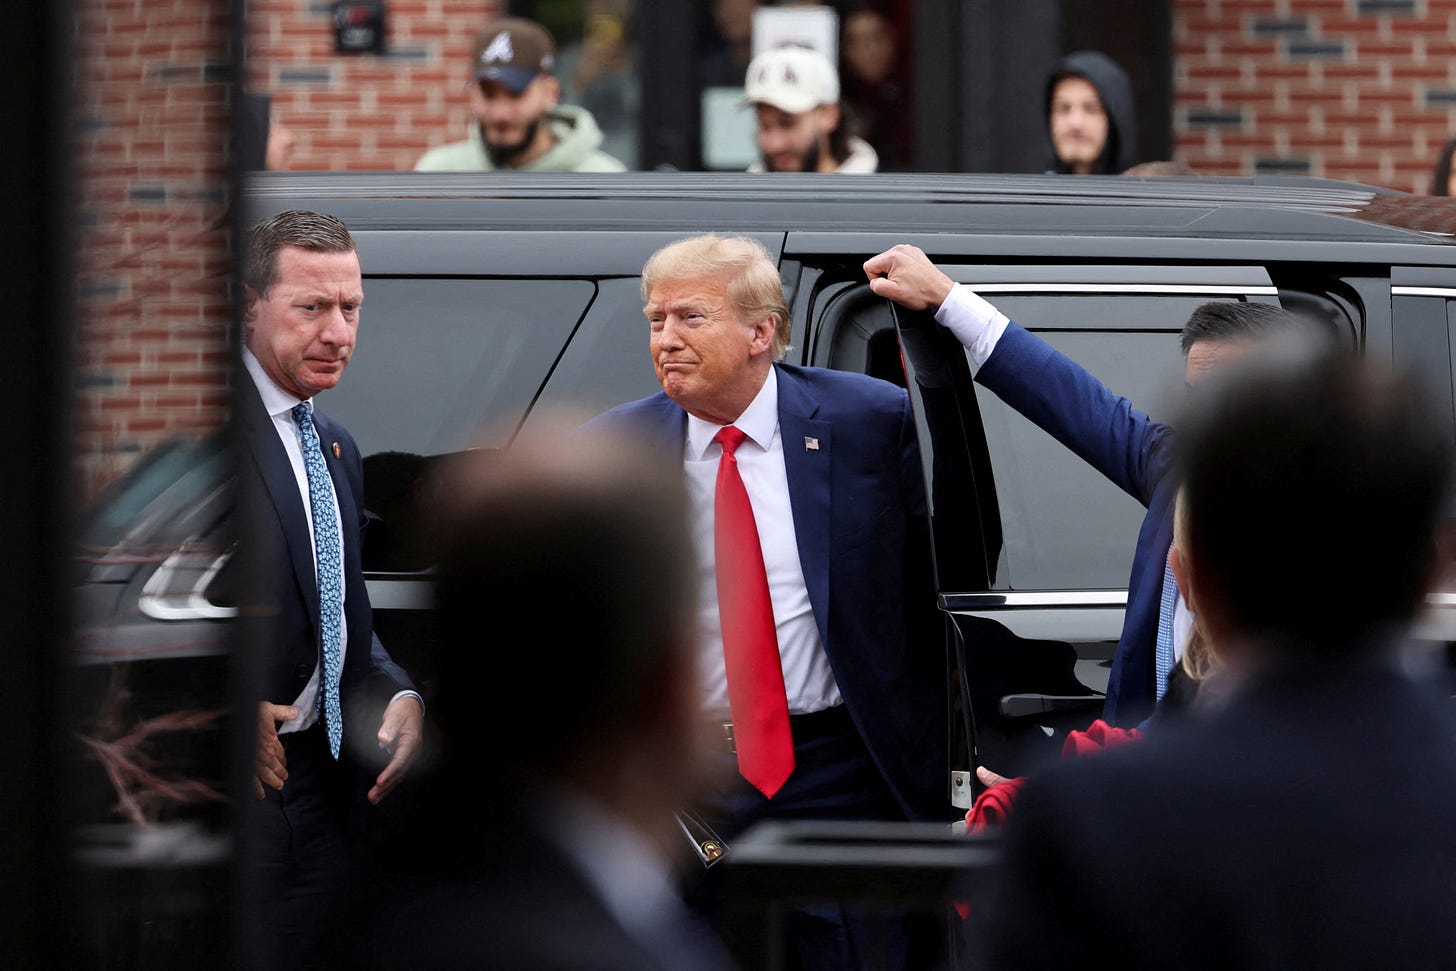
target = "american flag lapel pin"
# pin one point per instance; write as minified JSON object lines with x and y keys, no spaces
{"x":337,"y":451}
{"x":811,"y":444}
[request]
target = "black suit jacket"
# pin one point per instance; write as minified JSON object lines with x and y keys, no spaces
{"x":279,"y":537}
{"x":1311,"y":823}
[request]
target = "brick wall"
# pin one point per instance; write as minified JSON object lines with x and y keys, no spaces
{"x":359,"y":110}
{"x":1344,"y":89}
{"x":1349,"y":89}
{"x":151,"y":357}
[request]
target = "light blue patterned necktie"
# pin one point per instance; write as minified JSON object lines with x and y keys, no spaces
{"x":329,"y":568}
{"x":1163,"y":659}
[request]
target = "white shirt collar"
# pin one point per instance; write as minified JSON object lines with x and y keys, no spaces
{"x":758,"y":420}
{"x":276,"y":401}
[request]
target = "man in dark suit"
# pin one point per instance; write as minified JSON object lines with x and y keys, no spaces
{"x":1307,"y":821}
{"x":832,"y":472}
{"x":1104,"y":429}
{"x":552,"y":840}
{"x":325,"y":676}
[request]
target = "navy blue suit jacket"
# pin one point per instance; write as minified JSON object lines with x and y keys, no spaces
{"x":1131,"y":450}
{"x":1307,"y":825}
{"x":858,"y":503}
{"x":285,"y":552}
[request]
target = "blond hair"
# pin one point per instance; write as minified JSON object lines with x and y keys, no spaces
{"x":1199,"y":658}
{"x":753,"y":284}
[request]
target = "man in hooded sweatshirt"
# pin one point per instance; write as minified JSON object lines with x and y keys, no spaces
{"x":1089,"y":113}
{"x":519,"y":122}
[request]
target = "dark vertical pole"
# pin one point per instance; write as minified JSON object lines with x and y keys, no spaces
{"x":937,"y":63}
{"x":37,"y":488}
{"x":1008,"y":49}
{"x":671,"y":89}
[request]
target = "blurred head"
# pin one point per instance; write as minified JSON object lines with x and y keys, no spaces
{"x":597,"y":526}
{"x":1090,"y":115}
{"x":734,"y":20}
{"x":280,"y":146}
{"x":718,"y":320}
{"x":302,"y":292}
{"x":794,"y":92}
{"x":1314,"y":483}
{"x":1163,"y":167}
{"x":1198,"y":658}
{"x":1443,"y":180}
{"x":1223,"y":332}
{"x":868,"y":46}
{"x":513,"y":89}
{"x":1078,"y":123}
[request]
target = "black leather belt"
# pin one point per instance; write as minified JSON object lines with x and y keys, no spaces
{"x":805,"y":728}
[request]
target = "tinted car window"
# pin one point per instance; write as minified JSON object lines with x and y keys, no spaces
{"x":1063,"y":523}
{"x":608,"y":361}
{"x":442,"y":363}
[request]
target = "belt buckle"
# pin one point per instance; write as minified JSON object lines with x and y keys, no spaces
{"x":728,"y":738}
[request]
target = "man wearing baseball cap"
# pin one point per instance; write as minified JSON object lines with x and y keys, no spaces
{"x":519,"y":122}
{"x":801,"y":124}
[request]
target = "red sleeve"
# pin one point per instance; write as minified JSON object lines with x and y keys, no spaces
{"x":993,"y":805}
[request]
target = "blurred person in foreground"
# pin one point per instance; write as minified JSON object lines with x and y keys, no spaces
{"x":517,"y":119}
{"x":801,"y":125}
{"x":1305,"y":821}
{"x":340,"y":722}
{"x":831,"y":703}
{"x":552,"y":841}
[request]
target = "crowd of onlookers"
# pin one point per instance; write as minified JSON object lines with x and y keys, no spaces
{"x":534,"y":107}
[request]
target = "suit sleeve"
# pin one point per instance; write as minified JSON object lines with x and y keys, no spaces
{"x":1068,"y":403}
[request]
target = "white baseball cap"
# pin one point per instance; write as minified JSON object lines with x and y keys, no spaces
{"x":792,"y":79}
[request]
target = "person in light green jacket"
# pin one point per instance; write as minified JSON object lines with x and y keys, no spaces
{"x":518,"y":121}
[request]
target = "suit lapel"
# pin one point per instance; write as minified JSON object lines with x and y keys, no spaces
{"x":669,"y":428}
{"x":271,"y":461}
{"x":808,"y":454}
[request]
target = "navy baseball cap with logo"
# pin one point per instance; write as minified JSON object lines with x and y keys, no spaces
{"x":513,"y":52}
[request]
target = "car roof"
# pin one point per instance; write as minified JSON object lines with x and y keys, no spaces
{"x":1261,"y":207}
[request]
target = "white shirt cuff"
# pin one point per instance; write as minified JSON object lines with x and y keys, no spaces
{"x":973,"y":321}
{"x":408,"y":694}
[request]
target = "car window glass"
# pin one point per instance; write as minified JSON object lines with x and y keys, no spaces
{"x":1064,"y":524}
{"x":608,"y":361}
{"x":442,"y":365}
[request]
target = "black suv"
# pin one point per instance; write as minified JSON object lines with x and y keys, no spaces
{"x":490,"y":296}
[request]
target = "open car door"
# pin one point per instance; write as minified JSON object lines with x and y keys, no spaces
{"x":1014,"y":693}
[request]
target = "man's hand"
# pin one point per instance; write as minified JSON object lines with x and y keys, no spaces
{"x":270,"y":765}
{"x":400,"y":734}
{"x":905,"y":275}
{"x":988,"y":778}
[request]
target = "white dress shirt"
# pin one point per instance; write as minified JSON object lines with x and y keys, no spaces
{"x":807,"y":676}
{"x":280,"y":404}
{"x":979,"y":326}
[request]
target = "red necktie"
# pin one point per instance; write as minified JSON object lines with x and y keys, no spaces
{"x":750,"y":643}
